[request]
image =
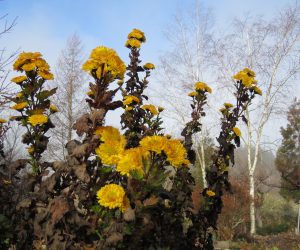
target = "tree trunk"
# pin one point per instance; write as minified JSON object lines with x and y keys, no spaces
{"x":252,"y":205}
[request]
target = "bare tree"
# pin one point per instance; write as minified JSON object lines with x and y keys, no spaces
{"x":186,"y":62}
{"x":6,"y":58}
{"x":271,"y":49}
{"x":69,"y":99}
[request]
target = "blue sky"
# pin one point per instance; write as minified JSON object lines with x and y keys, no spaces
{"x":45,"y":25}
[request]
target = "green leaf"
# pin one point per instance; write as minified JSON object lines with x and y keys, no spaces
{"x":45,"y":94}
{"x":96,"y":209}
{"x":105,"y":170}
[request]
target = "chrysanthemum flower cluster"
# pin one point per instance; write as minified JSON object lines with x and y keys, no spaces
{"x":31,"y":62}
{"x":246,"y":77}
{"x":32,"y":102}
{"x":105,"y":63}
{"x":127,"y":161}
{"x":135,"y":38}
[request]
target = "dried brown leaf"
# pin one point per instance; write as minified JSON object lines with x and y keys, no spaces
{"x":80,"y":151}
{"x":114,"y":238}
{"x":82,"y":125}
{"x":97,"y":116}
{"x":58,"y":207}
{"x":129,"y":214}
{"x":150,"y":201}
{"x":81,"y":172}
{"x":71,"y":145}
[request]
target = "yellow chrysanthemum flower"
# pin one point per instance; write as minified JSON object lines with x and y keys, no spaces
{"x":155,"y":143}
{"x":210,"y":193}
{"x":249,"y":72}
{"x":174,"y":149}
{"x":28,"y":67}
{"x":137,"y":34}
{"x":151,"y":108}
{"x":104,"y":60}
{"x":41,"y":64}
{"x":192,"y":94}
{"x":19,"y":79}
{"x":129,"y":99}
{"x":53,"y":108}
{"x":228,"y":105}
{"x":111,"y":196}
{"x":132,"y":159}
{"x":176,"y":153}
{"x":133,"y":43}
{"x":110,"y":152}
{"x":29,"y":61}
{"x":149,"y":66}
{"x":30,"y":150}
{"x":247,"y":77}
{"x":25,"y":58}
{"x":45,"y":74}
{"x":20,"y":106}
{"x":108,"y":133}
{"x":237,"y":131}
{"x":2,"y":120}
{"x":203,"y":87}
{"x":257,"y":90}
{"x":38,"y":119}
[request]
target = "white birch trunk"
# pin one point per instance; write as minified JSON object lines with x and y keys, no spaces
{"x":252,"y":204}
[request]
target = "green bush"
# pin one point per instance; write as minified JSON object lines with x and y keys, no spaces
{"x":273,"y":229}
